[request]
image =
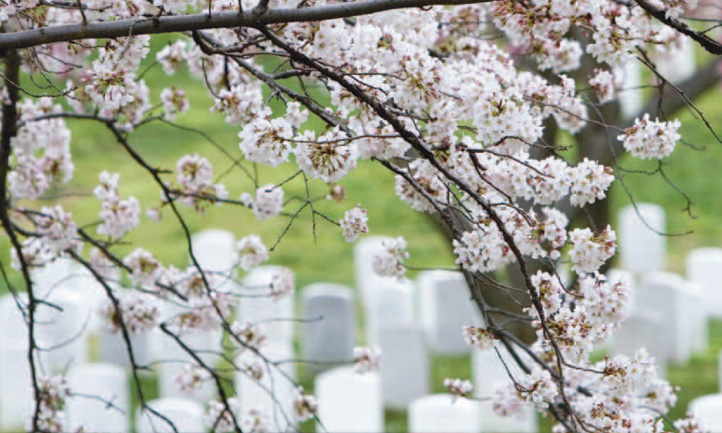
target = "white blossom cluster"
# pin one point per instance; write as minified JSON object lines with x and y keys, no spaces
{"x":52,"y":395}
{"x":191,"y":378}
{"x":424,"y":92}
{"x":589,"y":252}
{"x":390,"y":262}
{"x":218,"y":418}
{"x":58,"y":231}
{"x":651,"y":139}
{"x":41,"y":149}
{"x":458,"y":387}
{"x":248,"y":335}
{"x":174,"y":102}
{"x":354,"y":223}
{"x":119,"y":215}
{"x":366,"y":359}
{"x":251,"y":251}
{"x":603,"y":84}
{"x":304,"y":406}
{"x":267,"y":203}
{"x":476,"y":336}
{"x":145,"y":269}
{"x":195,"y":177}
{"x":136,"y":311}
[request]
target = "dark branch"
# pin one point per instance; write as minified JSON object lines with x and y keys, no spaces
{"x":214,"y":20}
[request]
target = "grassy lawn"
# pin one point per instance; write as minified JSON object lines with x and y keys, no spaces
{"x":320,"y":254}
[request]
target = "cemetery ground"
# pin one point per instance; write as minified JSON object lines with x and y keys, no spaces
{"x":314,"y":248}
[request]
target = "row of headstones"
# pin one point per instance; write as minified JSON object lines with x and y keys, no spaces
{"x":69,"y":323}
{"x":349,"y":401}
{"x":410,"y":320}
{"x":392,"y":323}
{"x":344,"y":399}
{"x":669,"y":314}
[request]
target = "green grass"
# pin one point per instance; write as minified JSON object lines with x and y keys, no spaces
{"x":318,"y":253}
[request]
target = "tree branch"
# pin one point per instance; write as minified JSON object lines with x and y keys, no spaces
{"x":703,"y":40}
{"x":215,"y":20}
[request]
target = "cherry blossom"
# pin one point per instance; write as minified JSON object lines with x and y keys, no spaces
{"x":366,"y":359}
{"x":304,"y":406}
{"x":354,"y":223}
{"x":191,"y":378}
{"x":649,"y":139}
{"x":217,"y":417}
{"x":477,"y":336}
{"x":252,"y":252}
{"x":390,"y":263}
{"x":459,"y":119}
{"x":458,"y":387}
{"x":268,"y":201}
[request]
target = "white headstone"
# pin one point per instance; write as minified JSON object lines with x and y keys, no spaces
{"x":642,"y":330}
{"x":443,"y":413}
{"x":404,"y":365}
{"x":704,"y":267}
{"x":275,"y":391}
{"x":641,"y":238}
{"x":62,"y":329}
{"x":100,"y":400}
{"x":273,"y":314}
{"x":16,"y":393}
{"x":214,"y":249}
{"x":631,"y":96}
{"x":489,"y":373}
{"x":12,"y":322}
{"x":67,"y":276}
{"x":446,"y":307}
{"x":694,"y":316}
{"x":185,"y":415}
{"x":389,"y":303}
{"x":112,"y":348}
{"x":708,"y":411}
{"x":48,"y":277}
{"x":329,"y":332}
{"x":663,"y":292}
{"x":349,"y":402}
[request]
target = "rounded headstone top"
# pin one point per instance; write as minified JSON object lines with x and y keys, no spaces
{"x":327,"y":289}
{"x":645,"y":209}
{"x":706,"y":254}
{"x":347,"y":373}
{"x":371,"y":242}
{"x":662,"y":279}
{"x":437,"y":275}
{"x":261,"y":276}
{"x":712,"y":402}
{"x":213,"y":236}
